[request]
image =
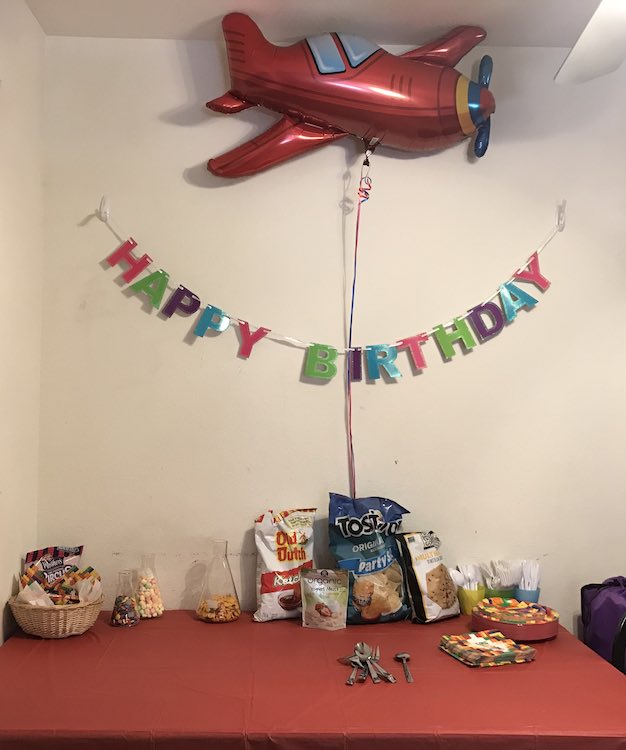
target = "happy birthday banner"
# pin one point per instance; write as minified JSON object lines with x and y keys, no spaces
{"x":479,"y":324}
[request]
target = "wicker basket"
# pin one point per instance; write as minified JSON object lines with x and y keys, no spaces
{"x":55,"y":622}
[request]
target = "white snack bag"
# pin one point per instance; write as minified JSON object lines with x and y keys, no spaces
{"x":284,"y":543}
{"x":432,"y":591}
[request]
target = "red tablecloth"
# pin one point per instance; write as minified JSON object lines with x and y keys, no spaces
{"x":179,"y":684}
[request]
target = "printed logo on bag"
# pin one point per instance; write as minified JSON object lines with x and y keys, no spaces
{"x":289,"y":546}
{"x":372,"y":521}
{"x":430,"y":539}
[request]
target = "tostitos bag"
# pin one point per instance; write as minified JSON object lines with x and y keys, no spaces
{"x":361,"y":535}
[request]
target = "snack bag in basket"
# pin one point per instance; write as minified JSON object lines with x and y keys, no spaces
{"x":284,"y":544}
{"x":52,"y":563}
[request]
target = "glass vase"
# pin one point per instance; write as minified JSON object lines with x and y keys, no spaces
{"x":149,"y":601}
{"x":125,"y":613}
{"x":219,"y":601}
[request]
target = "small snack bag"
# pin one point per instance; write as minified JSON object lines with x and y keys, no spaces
{"x":324,"y":598}
{"x":284,"y":544}
{"x":432,"y":591}
{"x":52,"y":563}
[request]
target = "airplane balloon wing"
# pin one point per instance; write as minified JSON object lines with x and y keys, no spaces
{"x":282,"y":141}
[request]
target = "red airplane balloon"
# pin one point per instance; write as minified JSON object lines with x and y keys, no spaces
{"x":333,"y":85}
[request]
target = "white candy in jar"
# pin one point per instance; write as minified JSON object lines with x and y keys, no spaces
{"x":149,"y":602}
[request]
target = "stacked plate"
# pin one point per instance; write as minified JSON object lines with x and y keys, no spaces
{"x":521,"y":621}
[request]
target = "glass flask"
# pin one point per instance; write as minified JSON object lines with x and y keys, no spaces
{"x":149,"y":601}
{"x":218,"y":601}
{"x":125,"y":613}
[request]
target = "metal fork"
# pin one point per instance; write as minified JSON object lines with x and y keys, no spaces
{"x":375,"y":659}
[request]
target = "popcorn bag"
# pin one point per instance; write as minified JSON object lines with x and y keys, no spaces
{"x":284,"y":543}
{"x":361,"y":534}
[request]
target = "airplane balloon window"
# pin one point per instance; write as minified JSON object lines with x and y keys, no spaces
{"x":330,"y":86}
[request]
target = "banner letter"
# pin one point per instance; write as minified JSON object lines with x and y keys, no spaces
{"x":124,"y":254}
{"x":380,"y":355}
{"x":533,"y":274}
{"x":213,"y":318}
{"x":182,"y":299}
{"x":460,"y":332}
{"x":248,"y":340}
{"x":513,"y":298}
{"x":413,"y":344}
{"x":320,"y":362}
{"x":154,"y":286}
{"x":495,"y":316}
{"x":356,"y":364}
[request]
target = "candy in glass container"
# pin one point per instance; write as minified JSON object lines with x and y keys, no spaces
{"x":149,"y":601}
{"x":125,"y":613}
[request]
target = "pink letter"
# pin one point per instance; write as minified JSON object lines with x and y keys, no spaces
{"x":533,"y":274}
{"x":248,"y":340}
{"x":124,"y":254}
{"x":413,"y":344}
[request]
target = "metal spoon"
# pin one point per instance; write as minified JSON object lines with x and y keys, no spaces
{"x":356,"y":665}
{"x":404,"y":658}
{"x":364,"y":652}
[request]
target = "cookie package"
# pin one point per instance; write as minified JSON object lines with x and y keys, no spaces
{"x":362,"y":537}
{"x":432,"y":591}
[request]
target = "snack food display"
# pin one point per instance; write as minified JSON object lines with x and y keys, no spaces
{"x":361,"y":534}
{"x":51,"y":576}
{"x":487,"y":648}
{"x":522,"y":621}
{"x":432,"y":591}
{"x":284,"y":543}
{"x":324,"y":598}
{"x":219,"y":608}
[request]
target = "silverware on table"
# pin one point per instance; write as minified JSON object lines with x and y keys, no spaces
{"x":404,"y":658}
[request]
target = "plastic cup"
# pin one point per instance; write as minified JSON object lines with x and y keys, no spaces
{"x":469,"y":598}
{"x":522,"y":595}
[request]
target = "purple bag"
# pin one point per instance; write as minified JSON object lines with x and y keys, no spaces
{"x":603,"y":606}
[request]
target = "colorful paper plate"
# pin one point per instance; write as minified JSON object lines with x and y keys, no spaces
{"x":521,"y":621}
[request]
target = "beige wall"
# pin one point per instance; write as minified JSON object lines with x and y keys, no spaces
{"x":153,"y":442}
{"x":21,"y":250}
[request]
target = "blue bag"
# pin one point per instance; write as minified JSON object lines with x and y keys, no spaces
{"x":361,"y":536}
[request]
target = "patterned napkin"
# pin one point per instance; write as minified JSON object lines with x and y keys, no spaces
{"x":487,"y":648}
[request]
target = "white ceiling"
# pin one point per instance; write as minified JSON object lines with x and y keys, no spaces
{"x":534,"y":23}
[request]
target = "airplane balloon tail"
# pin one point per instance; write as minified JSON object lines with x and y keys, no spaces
{"x":245,"y":45}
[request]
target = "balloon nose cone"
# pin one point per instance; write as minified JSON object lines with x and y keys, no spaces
{"x":487,"y":103}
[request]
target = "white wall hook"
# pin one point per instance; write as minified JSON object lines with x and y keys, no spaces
{"x":104,"y":211}
{"x":560,"y":215}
